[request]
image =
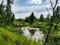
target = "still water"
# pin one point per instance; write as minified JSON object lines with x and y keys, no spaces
{"x":33,"y":33}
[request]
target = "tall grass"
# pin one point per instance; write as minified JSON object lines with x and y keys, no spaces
{"x":10,"y":38}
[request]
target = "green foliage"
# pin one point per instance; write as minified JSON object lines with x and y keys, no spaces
{"x":54,"y":37}
{"x":9,"y":14}
{"x":10,"y":38}
{"x":41,"y":19}
{"x":31,"y":19}
{"x":6,"y":15}
{"x":21,"y":24}
{"x":47,"y":19}
{"x":43,"y":26}
{"x":2,"y":13}
{"x":12,"y":35}
{"x":36,"y":24}
{"x":57,"y":15}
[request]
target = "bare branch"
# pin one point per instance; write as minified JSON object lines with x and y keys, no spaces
{"x":47,"y":10}
{"x":55,"y":4}
{"x":51,"y":3}
{"x":51,"y":23}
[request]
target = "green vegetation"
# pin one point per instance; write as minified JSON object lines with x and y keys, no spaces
{"x":8,"y":37}
{"x":10,"y":28}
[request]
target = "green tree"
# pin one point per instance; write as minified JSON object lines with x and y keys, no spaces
{"x":27,"y":19}
{"x":47,"y":20}
{"x":13,"y":17}
{"x":9,"y":14}
{"x":41,"y":19}
{"x":32,"y":18}
{"x":20,"y":20}
{"x":57,"y":15}
{"x":2,"y":13}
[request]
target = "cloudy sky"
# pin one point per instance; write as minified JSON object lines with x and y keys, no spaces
{"x":23,"y":8}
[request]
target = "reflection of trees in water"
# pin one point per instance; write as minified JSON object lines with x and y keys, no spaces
{"x":32,"y":31}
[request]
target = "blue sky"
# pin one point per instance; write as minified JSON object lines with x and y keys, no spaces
{"x":23,"y":8}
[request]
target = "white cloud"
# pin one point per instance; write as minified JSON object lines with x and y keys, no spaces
{"x":37,"y":1}
{"x":44,"y":13}
{"x":23,"y":15}
{"x":29,"y":8}
{"x":16,"y":8}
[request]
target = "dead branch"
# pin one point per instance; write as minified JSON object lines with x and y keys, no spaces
{"x":47,"y":10}
{"x":51,"y":24}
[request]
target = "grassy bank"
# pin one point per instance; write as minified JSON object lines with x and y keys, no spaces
{"x":10,"y":38}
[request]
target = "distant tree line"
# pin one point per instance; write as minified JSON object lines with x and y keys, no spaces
{"x":32,"y":18}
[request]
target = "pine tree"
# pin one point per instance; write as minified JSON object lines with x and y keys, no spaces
{"x":32,"y":18}
{"x":2,"y":13}
{"x":9,"y":12}
{"x":41,"y":19}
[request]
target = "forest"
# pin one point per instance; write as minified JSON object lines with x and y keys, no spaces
{"x":10,"y":27}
